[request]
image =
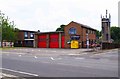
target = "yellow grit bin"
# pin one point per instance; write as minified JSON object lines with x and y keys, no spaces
{"x":74,"y":44}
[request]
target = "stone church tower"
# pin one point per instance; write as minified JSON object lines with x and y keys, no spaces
{"x":106,"y":37}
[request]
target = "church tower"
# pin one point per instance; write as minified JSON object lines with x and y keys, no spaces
{"x":105,"y":23}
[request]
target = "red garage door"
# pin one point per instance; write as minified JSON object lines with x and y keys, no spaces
{"x":54,"y":41}
{"x":63,"y":41}
{"x":42,"y":42}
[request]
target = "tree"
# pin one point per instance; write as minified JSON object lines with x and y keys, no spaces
{"x":7,"y":29}
{"x":98,"y":33}
{"x":115,"y":34}
{"x":61,"y":28}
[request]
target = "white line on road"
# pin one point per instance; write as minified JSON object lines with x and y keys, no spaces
{"x":100,"y":54}
{"x":73,"y":54}
{"x":35,"y":57}
{"x":19,"y":55}
{"x":7,"y":75}
{"x":52,"y":58}
{"x":20,"y":72}
{"x":80,"y":58}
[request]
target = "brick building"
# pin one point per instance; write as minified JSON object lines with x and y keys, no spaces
{"x":72,"y":31}
{"x":25,"y":38}
{"x":77,"y":29}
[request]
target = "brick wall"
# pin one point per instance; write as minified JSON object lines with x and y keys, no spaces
{"x":20,"y":35}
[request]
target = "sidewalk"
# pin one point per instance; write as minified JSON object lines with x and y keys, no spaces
{"x":55,"y":52}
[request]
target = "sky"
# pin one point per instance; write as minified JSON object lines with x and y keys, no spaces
{"x":47,"y":15}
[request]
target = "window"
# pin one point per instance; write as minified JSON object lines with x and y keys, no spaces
{"x":72,"y":31}
{"x":92,"y":32}
{"x":86,"y":31}
{"x":31,"y":35}
{"x":26,"y":34}
{"x":106,"y":36}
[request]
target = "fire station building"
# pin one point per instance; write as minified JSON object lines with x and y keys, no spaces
{"x":75,"y":35}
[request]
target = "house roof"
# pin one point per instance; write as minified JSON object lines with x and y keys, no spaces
{"x":50,"y":32}
{"x":85,"y":26}
{"x":27,"y":31}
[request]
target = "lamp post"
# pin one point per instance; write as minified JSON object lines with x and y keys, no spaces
{"x":87,"y":41}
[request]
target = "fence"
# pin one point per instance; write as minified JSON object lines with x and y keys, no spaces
{"x":106,"y":45}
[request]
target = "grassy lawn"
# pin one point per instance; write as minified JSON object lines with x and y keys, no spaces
{"x":8,"y":48}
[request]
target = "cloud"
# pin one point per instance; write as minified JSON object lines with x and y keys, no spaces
{"x":47,"y":15}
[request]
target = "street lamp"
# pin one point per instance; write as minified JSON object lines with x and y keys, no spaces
{"x":87,"y":41}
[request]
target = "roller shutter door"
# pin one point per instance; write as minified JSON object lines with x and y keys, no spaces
{"x":63,"y":42}
{"x":54,"y":41}
{"x":42,"y":41}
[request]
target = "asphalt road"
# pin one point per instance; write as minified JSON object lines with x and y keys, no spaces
{"x":99,"y":65}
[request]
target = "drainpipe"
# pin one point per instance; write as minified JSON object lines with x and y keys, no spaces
{"x":60,"y":40}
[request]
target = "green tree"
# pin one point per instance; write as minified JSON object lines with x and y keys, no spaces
{"x":115,"y":34}
{"x":61,"y":28}
{"x":8,"y":29}
{"x":98,"y":33}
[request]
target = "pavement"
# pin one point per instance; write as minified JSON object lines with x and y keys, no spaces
{"x":55,"y":52}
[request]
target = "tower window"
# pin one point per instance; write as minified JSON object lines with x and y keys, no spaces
{"x":106,"y":36}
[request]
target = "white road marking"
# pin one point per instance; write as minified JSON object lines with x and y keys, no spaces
{"x":52,"y":58}
{"x":44,"y":62}
{"x":19,"y":55}
{"x":39,"y":50}
{"x":62,"y":64}
{"x":73,"y":54}
{"x":35,"y":57}
{"x":80,"y":58}
{"x":20,"y":72}
{"x":100,"y":54}
{"x":32,"y":50}
{"x":8,"y":75}
{"x":0,"y":73}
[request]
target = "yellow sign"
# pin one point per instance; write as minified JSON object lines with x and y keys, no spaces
{"x":74,"y":44}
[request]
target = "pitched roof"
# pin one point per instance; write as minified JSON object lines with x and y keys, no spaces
{"x":27,"y":31}
{"x":50,"y":32}
{"x":85,"y":26}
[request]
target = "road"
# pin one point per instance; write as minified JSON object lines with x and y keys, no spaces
{"x":84,"y":65}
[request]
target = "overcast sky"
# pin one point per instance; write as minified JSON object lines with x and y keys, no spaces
{"x":47,"y":15}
